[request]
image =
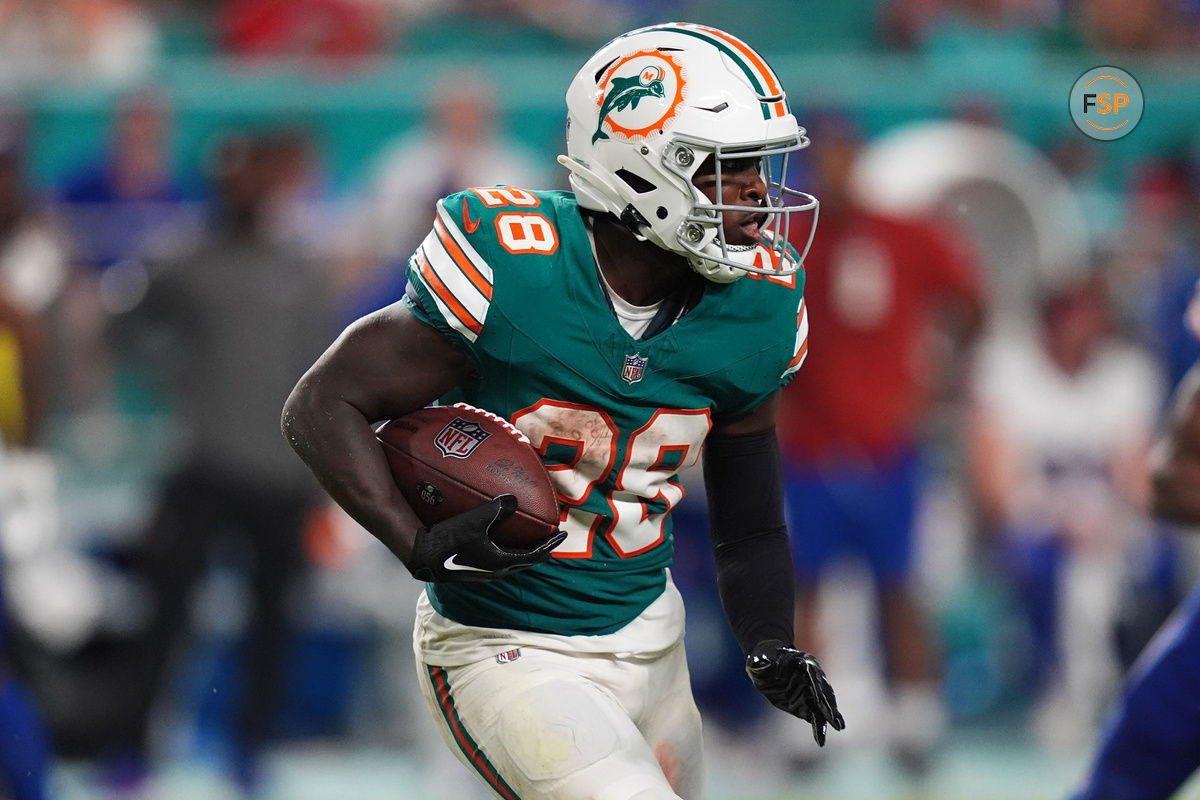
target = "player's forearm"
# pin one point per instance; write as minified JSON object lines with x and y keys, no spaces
{"x":755,"y":584}
{"x":338,"y":444}
{"x":1176,"y":494}
{"x":383,"y":366}
{"x":743,"y":479}
{"x":1175,"y":460}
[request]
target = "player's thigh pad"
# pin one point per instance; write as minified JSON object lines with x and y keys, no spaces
{"x":670,"y":722}
{"x":535,"y":728}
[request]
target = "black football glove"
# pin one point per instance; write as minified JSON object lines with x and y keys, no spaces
{"x":460,"y":548}
{"x":793,"y":681}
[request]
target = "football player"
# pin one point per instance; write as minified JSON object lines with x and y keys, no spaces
{"x":655,"y":309}
{"x":1147,"y":746}
{"x":25,"y":749}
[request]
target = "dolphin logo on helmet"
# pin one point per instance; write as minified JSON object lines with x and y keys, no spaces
{"x":627,"y":93}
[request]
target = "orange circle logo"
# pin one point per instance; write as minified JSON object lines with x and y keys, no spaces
{"x":639,"y":94}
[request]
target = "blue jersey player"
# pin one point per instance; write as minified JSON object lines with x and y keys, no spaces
{"x":24,"y":748}
{"x":1150,"y":743}
{"x":630,"y":328}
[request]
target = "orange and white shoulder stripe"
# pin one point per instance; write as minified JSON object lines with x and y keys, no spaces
{"x":459,"y":279}
{"x":801,"y":349}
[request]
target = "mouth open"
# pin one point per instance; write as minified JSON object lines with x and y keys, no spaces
{"x":752,"y":228}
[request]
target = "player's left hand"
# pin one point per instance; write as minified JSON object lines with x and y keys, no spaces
{"x":793,"y":681}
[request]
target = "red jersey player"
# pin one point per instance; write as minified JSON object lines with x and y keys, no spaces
{"x":850,"y":421}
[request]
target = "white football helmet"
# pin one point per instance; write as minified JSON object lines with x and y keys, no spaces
{"x":649,"y":108}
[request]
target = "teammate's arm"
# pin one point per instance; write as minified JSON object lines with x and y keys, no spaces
{"x":1176,"y":459}
{"x":743,"y":476}
{"x":387,"y":364}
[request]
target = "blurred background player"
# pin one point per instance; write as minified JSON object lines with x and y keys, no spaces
{"x":458,"y":143}
{"x":1059,"y":435}
{"x":25,"y":750}
{"x":116,"y":201}
{"x":227,"y":320}
{"x":853,"y":422}
{"x":32,"y":273}
{"x":1147,"y":746}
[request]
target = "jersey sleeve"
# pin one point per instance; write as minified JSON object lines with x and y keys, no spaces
{"x":448,"y":278}
{"x":800,"y":350}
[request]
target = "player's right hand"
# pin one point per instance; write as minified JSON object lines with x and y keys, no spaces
{"x":460,"y":549}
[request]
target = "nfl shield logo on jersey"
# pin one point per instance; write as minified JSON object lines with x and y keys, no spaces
{"x":508,"y":656}
{"x":460,"y":438}
{"x":635,"y":368}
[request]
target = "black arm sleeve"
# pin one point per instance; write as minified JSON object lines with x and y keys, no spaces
{"x":743,"y":477}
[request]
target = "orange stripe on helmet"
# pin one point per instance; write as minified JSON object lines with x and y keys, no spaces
{"x":769,"y":79}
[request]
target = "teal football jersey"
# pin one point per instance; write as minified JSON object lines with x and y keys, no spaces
{"x":510,"y":276}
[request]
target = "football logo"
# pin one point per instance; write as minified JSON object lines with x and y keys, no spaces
{"x":460,"y":438}
{"x":635,"y":368}
{"x":508,"y":656}
{"x":638,"y":95}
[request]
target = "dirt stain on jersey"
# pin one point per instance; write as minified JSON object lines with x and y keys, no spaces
{"x":586,"y":427}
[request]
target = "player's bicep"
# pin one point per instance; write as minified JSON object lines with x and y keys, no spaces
{"x":390,"y":362}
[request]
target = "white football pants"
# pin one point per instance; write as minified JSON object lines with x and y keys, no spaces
{"x":539,"y":724}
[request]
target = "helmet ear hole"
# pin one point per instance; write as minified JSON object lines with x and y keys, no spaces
{"x":635,"y":181}
{"x":661,"y":213}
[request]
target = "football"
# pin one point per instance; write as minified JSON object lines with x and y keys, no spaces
{"x":449,"y":459}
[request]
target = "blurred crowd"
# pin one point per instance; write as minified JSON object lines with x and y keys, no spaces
{"x":84,"y":42}
{"x":967,"y":447}
{"x":88,"y":41}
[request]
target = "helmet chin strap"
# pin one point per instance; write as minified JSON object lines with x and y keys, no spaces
{"x":715,"y":271}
